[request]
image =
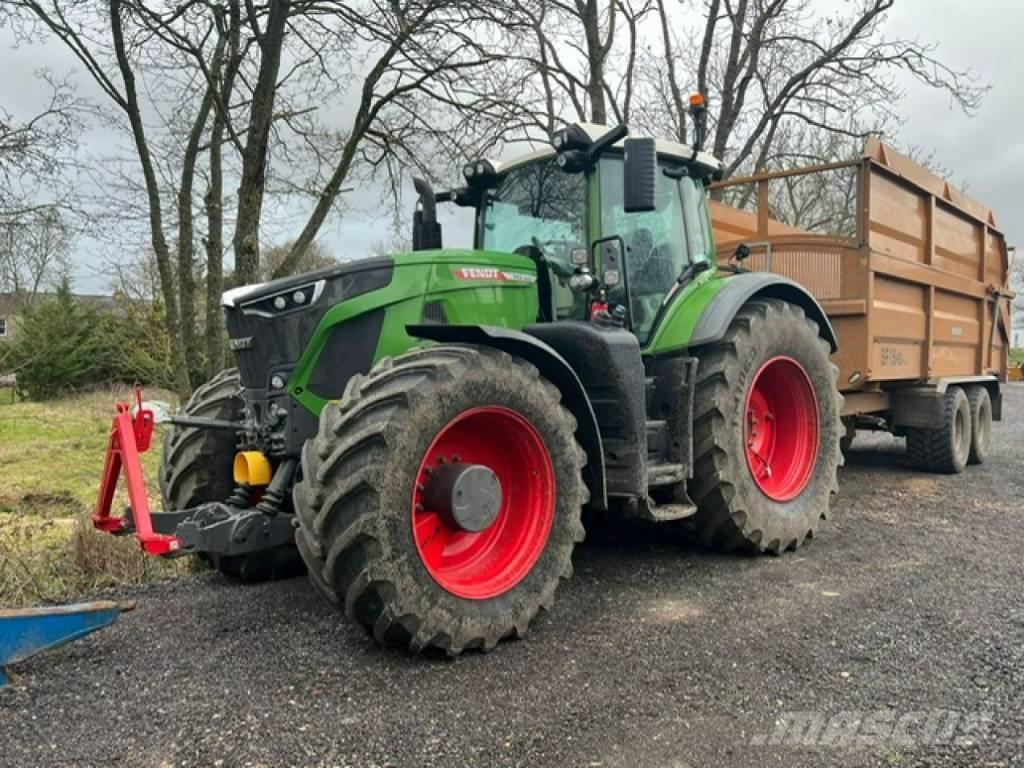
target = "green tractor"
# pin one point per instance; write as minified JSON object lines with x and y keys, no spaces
{"x":423,"y":431}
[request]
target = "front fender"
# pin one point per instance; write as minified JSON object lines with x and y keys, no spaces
{"x":555,"y":369}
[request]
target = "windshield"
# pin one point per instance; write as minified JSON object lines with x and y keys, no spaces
{"x":537,"y":205}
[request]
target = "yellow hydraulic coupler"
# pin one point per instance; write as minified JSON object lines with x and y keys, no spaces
{"x":252,"y":468}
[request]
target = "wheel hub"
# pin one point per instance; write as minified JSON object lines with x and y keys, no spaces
{"x":781,"y":430}
{"x":484,"y":502}
{"x":467,"y":497}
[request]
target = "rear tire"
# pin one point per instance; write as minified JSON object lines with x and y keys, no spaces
{"x":947,"y":448}
{"x":359,"y":500}
{"x":736,"y":509}
{"x":196,"y":468}
{"x":980,"y":405}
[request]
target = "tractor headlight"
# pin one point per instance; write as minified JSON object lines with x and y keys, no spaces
{"x":480,"y":174}
{"x":288,"y":300}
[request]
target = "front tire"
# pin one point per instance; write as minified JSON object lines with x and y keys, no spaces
{"x":371,"y":537}
{"x":766,"y":432}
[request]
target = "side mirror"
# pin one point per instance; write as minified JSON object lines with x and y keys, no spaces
{"x":639,"y":175}
{"x":742,"y":252}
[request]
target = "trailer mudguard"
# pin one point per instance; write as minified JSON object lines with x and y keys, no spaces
{"x":554,"y":368}
{"x":738,"y":290}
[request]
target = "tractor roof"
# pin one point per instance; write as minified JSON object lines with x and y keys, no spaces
{"x":670,"y":150}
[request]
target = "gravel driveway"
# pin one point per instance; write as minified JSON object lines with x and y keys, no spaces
{"x":905,"y":617}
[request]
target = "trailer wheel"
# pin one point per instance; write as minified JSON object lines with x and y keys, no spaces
{"x":440,"y":501}
{"x":766,"y":432}
{"x":947,"y":448}
{"x":196,"y":467}
{"x":980,"y":405}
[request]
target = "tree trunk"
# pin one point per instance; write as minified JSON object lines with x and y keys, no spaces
{"x":156,"y":224}
{"x":186,"y":239}
{"x":589,"y":14}
{"x":254,"y":156}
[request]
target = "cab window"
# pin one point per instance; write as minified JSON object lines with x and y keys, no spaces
{"x":656,"y":243}
{"x":698,"y":231}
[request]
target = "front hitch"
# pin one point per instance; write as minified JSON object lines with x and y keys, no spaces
{"x":232,"y":527}
{"x":130,"y":437}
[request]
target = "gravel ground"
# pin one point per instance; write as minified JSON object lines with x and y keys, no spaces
{"x":909,"y":603}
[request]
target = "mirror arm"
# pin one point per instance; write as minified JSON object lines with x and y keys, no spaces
{"x":595,"y":150}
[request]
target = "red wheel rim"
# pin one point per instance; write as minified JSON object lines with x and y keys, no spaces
{"x":781,"y":429}
{"x":486,"y":564}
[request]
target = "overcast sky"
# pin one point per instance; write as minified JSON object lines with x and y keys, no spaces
{"x":985,"y":152}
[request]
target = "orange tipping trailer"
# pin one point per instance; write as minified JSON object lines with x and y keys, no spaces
{"x":911,"y":271}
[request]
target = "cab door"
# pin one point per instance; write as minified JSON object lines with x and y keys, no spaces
{"x":658,"y":244}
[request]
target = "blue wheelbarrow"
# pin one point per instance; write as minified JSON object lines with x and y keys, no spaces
{"x":26,"y":632}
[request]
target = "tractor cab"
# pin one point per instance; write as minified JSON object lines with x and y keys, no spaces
{"x":614,"y":225}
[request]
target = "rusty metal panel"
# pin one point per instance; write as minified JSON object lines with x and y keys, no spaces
{"x":897,"y":223}
{"x":958,"y":332}
{"x":899,"y":328}
{"x":958,"y":242}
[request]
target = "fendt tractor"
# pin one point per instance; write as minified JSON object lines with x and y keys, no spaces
{"x":423,"y":431}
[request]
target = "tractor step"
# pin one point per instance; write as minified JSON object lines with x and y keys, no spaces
{"x":662,"y":513}
{"x":650,"y":510}
{"x":665,"y":474}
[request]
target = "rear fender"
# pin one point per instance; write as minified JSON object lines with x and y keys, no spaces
{"x":555,"y":369}
{"x":738,"y":290}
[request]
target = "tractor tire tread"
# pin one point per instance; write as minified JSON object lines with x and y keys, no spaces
{"x":341,"y":533}
{"x":724,"y":521}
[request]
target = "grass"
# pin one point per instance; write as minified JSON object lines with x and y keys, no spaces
{"x":1017,"y":355}
{"x":51,"y":457}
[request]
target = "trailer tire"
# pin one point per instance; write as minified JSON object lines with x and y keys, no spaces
{"x":367,"y":536}
{"x":741,"y":504}
{"x":196,"y":467}
{"x":945,"y":449}
{"x":980,"y":404}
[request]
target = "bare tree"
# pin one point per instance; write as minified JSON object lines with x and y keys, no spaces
{"x":762,"y":64}
{"x":35,"y":152}
{"x":431,"y":89}
{"x":33,"y":252}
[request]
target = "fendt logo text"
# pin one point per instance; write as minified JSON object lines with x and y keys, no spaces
{"x":492,"y":273}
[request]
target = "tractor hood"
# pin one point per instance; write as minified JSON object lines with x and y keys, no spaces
{"x":249,"y":295}
{"x":270,"y":324}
